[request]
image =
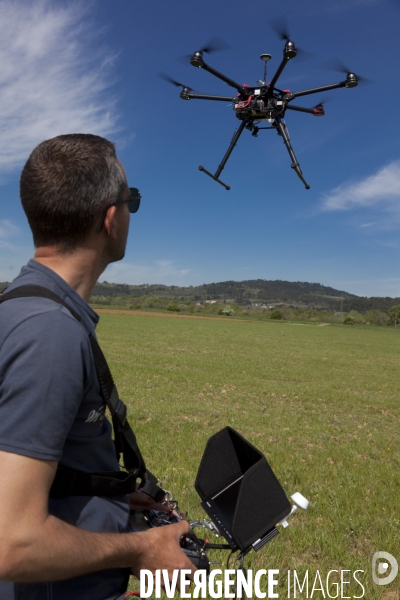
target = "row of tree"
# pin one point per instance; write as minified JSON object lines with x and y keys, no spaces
{"x":251,"y":292}
{"x":246,"y":294}
{"x":372,"y":316}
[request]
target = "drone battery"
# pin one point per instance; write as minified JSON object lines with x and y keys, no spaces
{"x":239,"y":490}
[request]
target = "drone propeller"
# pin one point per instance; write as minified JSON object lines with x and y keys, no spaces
{"x":281,"y":28}
{"x":319,"y":108}
{"x":337,"y":65}
{"x":166,"y":77}
{"x":216,"y":44}
{"x":323,"y":101}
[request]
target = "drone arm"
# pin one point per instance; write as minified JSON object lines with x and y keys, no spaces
{"x":295,"y":165}
{"x":317,"y":90}
{"x":233,"y":143}
{"x":190,"y":95}
{"x":278,"y":73}
{"x":311,"y":111}
{"x":227,"y":80}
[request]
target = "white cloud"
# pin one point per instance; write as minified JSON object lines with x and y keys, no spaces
{"x":8,"y":230}
{"x":379,"y":192}
{"x":54,"y":79}
{"x":161,"y":271}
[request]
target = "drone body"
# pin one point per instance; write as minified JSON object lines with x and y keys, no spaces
{"x":263,"y":103}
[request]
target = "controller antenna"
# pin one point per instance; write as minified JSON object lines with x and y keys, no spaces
{"x":298,"y":502}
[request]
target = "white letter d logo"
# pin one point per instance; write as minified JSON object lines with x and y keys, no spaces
{"x":382,"y":567}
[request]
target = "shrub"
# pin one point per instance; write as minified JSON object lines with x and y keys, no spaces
{"x":287,"y":313}
{"x":376,"y":317}
{"x":228,"y":311}
{"x":237,"y":308}
{"x":354,"y":314}
{"x":136,"y":303}
{"x":349,"y":320}
{"x":394,"y":315}
{"x":277,"y":314}
{"x":173,"y":306}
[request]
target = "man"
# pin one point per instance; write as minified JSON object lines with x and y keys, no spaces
{"x":75,"y":195}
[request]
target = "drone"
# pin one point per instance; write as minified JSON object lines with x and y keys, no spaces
{"x":261,"y":103}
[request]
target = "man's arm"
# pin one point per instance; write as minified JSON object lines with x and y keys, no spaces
{"x":35,"y":546}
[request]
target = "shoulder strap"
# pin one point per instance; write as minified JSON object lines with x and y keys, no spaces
{"x":25,"y":291}
{"x":69,"y":482}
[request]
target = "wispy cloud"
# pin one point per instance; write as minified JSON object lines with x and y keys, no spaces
{"x":54,"y":78}
{"x":379,"y":192}
{"x":161,"y":271}
{"x":8,"y":230}
{"x":389,"y":244}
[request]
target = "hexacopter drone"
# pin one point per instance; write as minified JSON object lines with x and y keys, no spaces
{"x":261,"y":103}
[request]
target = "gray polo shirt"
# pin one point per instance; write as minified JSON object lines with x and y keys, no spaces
{"x":51,"y":409}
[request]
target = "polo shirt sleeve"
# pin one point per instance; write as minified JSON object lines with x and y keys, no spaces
{"x":42,"y":381}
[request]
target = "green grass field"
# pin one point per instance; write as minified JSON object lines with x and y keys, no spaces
{"x":321,"y":402}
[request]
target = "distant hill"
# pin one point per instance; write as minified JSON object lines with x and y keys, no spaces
{"x":252,"y":292}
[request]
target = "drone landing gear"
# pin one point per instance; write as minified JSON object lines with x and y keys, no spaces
{"x":215,"y":177}
{"x":233,"y":143}
{"x":295,"y":164}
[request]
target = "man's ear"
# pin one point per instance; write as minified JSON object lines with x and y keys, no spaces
{"x":109,"y":223}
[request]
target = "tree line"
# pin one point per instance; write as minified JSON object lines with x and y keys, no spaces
{"x":278,"y":312}
{"x":256,"y":294}
{"x":253,"y":292}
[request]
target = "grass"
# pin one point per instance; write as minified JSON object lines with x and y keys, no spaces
{"x":320,"y":402}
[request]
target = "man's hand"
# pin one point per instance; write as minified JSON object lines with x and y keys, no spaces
{"x":160,"y":549}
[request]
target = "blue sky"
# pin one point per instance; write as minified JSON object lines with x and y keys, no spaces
{"x":92,"y":66}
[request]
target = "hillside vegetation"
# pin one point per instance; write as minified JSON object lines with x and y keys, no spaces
{"x":255,"y":294}
{"x":248,"y":293}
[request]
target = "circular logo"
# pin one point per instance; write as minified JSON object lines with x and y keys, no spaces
{"x":380,"y":568}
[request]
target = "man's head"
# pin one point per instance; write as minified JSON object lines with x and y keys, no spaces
{"x":66,"y":184}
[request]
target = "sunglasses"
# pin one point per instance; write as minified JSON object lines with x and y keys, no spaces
{"x":133,"y":206}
